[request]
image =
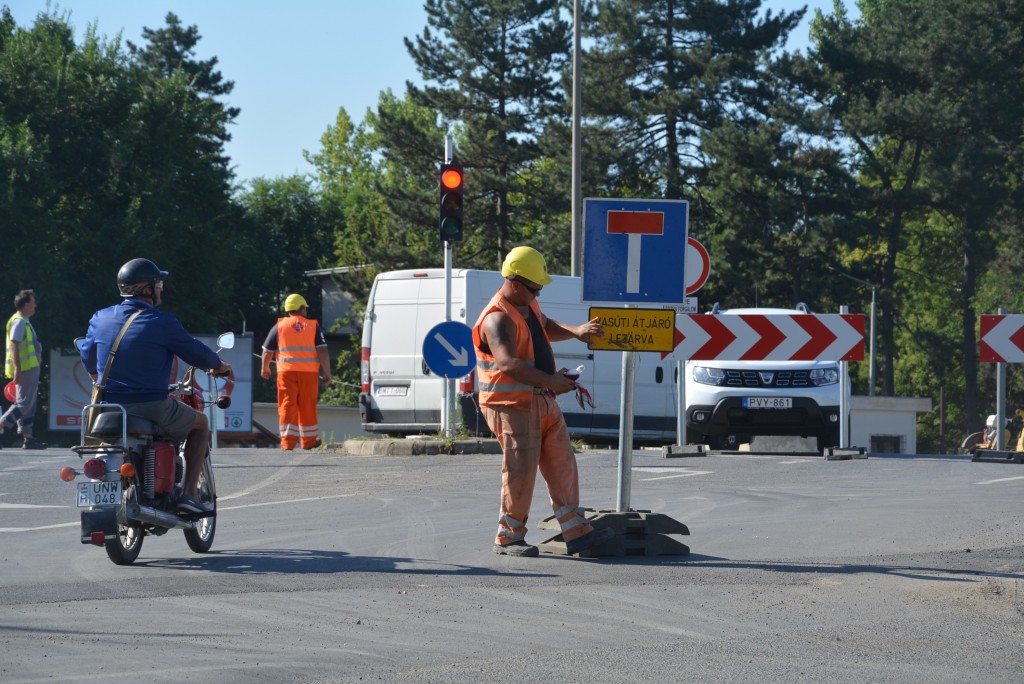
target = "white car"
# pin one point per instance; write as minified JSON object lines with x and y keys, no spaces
{"x":730,"y":402}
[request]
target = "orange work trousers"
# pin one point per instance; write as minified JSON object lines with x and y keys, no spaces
{"x":532,"y":440}
{"x":297,"y":395}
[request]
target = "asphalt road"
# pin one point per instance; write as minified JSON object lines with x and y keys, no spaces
{"x":334,"y":568}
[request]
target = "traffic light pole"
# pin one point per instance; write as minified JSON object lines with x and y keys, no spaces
{"x":448,"y":386}
{"x":576,"y":241}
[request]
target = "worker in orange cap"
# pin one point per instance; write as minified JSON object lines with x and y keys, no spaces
{"x":298,"y":345}
{"x":518,"y":384}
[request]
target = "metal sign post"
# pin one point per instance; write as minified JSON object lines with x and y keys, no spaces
{"x":633,"y":249}
{"x":625,"y":478}
{"x":632,"y":253}
{"x":844,"y":394}
{"x":1000,"y":400}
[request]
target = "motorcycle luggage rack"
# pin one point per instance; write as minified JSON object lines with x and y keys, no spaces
{"x":101,"y":447}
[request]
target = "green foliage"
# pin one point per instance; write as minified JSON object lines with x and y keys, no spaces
{"x":491,"y":69}
{"x":663,"y":72}
{"x":104,"y":160}
{"x":891,"y":152}
{"x":918,"y":87}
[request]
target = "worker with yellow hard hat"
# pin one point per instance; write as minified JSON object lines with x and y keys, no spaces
{"x":298,"y":345}
{"x":518,"y":385}
{"x":294,"y":302}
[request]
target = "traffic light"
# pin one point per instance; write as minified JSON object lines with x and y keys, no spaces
{"x":451,"y":203}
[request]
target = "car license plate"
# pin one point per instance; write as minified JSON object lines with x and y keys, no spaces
{"x":99,"y":493}
{"x":768,"y":402}
{"x":392,"y":390}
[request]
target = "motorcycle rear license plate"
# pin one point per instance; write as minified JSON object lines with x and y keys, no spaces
{"x":99,"y":493}
{"x":768,"y":402}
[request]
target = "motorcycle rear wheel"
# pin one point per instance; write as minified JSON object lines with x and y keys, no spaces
{"x":200,"y":539}
{"x":125,"y":547}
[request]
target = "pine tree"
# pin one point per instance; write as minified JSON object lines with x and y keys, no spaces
{"x":665,"y":72}
{"x":491,"y":70}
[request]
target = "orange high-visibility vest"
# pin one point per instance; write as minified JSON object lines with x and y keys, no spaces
{"x":497,"y":388}
{"x":296,"y":345}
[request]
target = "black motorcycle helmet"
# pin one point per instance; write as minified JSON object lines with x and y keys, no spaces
{"x":136,"y":275}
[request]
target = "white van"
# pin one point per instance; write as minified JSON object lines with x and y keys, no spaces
{"x":401,"y":396}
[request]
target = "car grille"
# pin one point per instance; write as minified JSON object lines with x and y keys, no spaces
{"x":767,"y":378}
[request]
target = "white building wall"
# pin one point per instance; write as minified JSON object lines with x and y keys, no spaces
{"x":891,"y":420}
{"x":337,"y":423}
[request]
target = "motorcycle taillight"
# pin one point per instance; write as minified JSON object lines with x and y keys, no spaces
{"x":94,"y":469}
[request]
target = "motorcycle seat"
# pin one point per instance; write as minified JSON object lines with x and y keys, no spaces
{"x":109,"y":423}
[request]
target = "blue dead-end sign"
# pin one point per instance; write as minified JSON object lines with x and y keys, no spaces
{"x":634,"y":250}
{"x":448,"y":349}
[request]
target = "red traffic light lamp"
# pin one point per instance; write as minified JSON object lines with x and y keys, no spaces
{"x":451,"y":197}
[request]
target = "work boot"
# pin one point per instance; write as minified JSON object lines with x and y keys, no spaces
{"x":516,"y":548}
{"x":581,"y":544}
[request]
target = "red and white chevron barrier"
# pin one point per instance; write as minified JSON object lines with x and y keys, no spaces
{"x":1002,"y":338}
{"x":770,"y":337}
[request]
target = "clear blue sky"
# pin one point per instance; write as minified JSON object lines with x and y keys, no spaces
{"x":294,"y":63}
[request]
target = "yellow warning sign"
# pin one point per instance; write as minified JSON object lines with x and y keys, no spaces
{"x":635,"y":329}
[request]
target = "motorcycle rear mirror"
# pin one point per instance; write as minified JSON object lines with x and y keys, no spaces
{"x":226,"y":341}
{"x":79,"y":343}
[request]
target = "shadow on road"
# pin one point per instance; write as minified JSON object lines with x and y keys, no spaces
{"x":312,"y":561}
{"x":925,"y":572}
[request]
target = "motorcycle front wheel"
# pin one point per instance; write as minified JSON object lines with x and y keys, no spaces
{"x":125,"y":547}
{"x":200,"y":538}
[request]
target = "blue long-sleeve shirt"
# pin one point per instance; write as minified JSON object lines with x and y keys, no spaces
{"x":142,"y":363}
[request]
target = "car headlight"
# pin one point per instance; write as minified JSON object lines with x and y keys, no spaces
{"x":708,"y":376}
{"x":824,"y":376}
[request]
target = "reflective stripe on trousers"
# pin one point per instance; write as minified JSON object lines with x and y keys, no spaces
{"x":532,"y":440}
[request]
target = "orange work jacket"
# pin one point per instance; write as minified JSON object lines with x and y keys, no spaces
{"x":296,"y":345}
{"x":497,"y":388}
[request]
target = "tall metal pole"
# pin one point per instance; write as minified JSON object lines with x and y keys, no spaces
{"x":448,"y":384}
{"x":681,"y":403}
{"x":844,"y":398}
{"x":871,"y":347}
{"x":871,"y":331}
{"x":626,"y":432}
{"x":1000,"y":401}
{"x":577,"y":155}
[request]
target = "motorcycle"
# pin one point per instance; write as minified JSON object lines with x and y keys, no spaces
{"x":133,"y":475}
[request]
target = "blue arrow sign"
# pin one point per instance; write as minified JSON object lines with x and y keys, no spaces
{"x":448,"y":349}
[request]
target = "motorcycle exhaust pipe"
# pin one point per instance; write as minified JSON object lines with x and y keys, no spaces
{"x":134,"y":511}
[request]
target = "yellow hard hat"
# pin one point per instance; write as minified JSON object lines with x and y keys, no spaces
{"x":526,"y":262}
{"x":294,"y":302}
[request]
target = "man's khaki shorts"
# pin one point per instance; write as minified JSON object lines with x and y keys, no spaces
{"x":173,"y":417}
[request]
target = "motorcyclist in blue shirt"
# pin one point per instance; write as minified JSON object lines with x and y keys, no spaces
{"x":139,"y":374}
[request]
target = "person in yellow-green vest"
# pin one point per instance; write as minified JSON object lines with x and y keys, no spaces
{"x":24,"y":358}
